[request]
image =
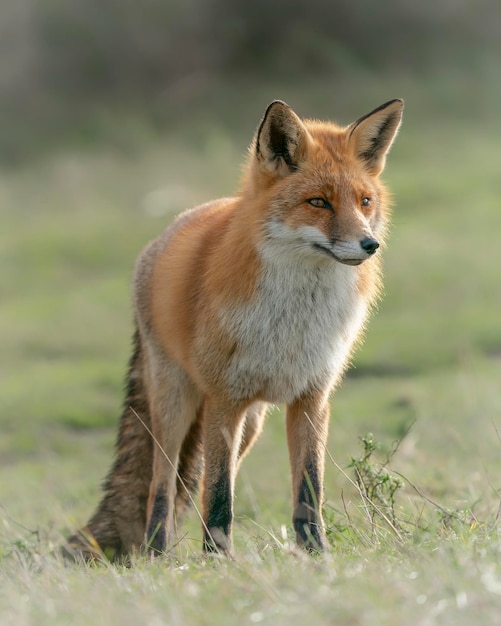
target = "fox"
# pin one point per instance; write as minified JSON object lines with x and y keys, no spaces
{"x":242,"y":303}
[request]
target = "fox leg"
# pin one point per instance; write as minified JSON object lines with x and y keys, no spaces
{"x":307,"y":429}
{"x":190,"y":467}
{"x":223,"y":429}
{"x":174,"y":405}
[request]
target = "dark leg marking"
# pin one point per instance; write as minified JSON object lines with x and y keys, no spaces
{"x":156,"y":536}
{"x":220,"y":516}
{"x":307,"y":518}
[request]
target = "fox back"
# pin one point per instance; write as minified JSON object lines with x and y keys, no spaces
{"x":245,"y":301}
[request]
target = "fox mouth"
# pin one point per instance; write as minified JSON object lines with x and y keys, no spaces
{"x":328,"y":251}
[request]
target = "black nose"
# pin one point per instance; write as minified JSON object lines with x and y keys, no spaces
{"x":369,"y":244}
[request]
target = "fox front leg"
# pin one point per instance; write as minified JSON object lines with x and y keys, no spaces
{"x":223,"y":428}
{"x":307,"y":428}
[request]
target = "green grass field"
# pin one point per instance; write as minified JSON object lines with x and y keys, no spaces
{"x":426,"y":382}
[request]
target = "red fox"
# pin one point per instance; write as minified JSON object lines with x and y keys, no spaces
{"x":242,"y":302}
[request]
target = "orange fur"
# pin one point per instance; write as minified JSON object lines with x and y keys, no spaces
{"x":255,"y":299}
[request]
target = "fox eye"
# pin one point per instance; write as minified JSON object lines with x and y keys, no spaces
{"x":366,"y":202}
{"x":319,"y":203}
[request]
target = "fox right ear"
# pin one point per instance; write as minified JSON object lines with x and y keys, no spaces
{"x":372,"y":135}
{"x":281,"y":139}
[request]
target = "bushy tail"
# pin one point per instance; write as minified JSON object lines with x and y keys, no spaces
{"x":117,"y":527}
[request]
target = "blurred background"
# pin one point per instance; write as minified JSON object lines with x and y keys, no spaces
{"x":67,"y":66}
{"x":117,"y":114}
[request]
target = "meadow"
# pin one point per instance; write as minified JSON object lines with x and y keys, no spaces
{"x":417,"y":540}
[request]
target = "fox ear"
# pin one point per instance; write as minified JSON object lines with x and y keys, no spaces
{"x":281,"y":139}
{"x":372,"y":135}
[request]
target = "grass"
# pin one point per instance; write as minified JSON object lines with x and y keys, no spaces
{"x":427,"y":377}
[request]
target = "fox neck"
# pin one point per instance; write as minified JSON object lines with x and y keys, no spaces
{"x":297,"y":277}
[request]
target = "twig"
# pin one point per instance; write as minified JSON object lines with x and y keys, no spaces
{"x":397,"y":444}
{"x":496,"y":430}
{"x":348,"y":517}
{"x":14,"y":521}
{"x":428,"y":499}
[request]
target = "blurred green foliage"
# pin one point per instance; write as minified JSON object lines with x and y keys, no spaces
{"x":63,"y":60}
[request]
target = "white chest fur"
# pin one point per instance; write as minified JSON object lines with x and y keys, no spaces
{"x":297,"y":332}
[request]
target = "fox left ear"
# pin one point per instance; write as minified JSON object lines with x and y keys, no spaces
{"x":281,"y":139}
{"x":372,"y":135}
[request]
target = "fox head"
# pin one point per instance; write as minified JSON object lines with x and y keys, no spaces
{"x":320,"y":182}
